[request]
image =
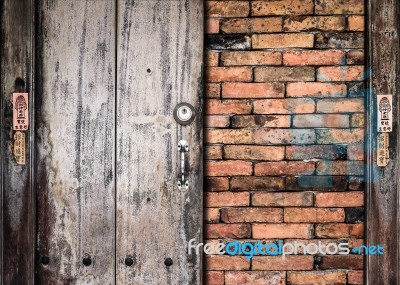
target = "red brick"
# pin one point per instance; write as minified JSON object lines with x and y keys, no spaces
{"x":317,"y":278}
{"x":211,"y":215}
{"x":284,"y":106}
{"x":232,"y":58}
{"x":254,"y":152}
{"x":355,"y":278}
{"x":228,"y":74}
{"x":257,"y":121}
{"x":212,"y":90}
{"x":355,"y":152}
{"x":341,"y":262}
{"x":342,"y":105}
{"x":281,"y":231}
{"x":356,"y":23}
{"x":329,"y":136}
{"x":339,"y":230}
{"x":355,"y":57}
{"x":214,"y":278}
{"x":253,"y":90}
{"x":291,"y":262}
{"x":321,"y":121}
{"x":257,"y":183}
{"x":218,"y":107}
{"x":252,"y":215}
{"x":216,"y":184}
{"x":226,"y":262}
{"x":227,"y":136}
{"x":314,"y":215}
{"x":227,"y":231}
{"x":281,"y":7}
{"x":339,"y":7}
{"x":211,"y":58}
{"x":285,"y":73}
{"x":315,"y":89}
{"x":228,"y":168}
{"x":340,"y":199}
{"x":216,"y":121}
{"x":340,"y":73}
{"x":255,"y":278}
{"x":226,"y":8}
{"x":213,"y":152}
{"x":282,"y":199}
{"x":313,"y":57}
{"x":226,"y":199}
{"x":251,"y":25}
{"x":284,"y":168}
{"x":284,"y":136}
{"x":211,"y":26}
{"x":345,"y":167}
{"x":324,"y":242}
{"x":314,"y":23}
{"x":260,"y":41}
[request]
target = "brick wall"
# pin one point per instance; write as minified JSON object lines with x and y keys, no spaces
{"x":284,"y":136}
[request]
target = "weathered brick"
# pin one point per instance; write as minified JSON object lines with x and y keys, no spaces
{"x":213,"y":152}
{"x":314,"y":57}
{"x":355,"y":152}
{"x":225,"y":74}
{"x":252,"y":215}
{"x":255,"y":277}
{"x":227,"y":42}
{"x":343,"y":105}
{"x":339,"y":7}
{"x":253,"y":90}
{"x":216,"y":184}
{"x":339,"y":40}
{"x":251,"y":25}
{"x":316,"y":183}
{"x":228,"y":168}
{"x":340,"y":73}
{"x":211,"y":58}
{"x":226,"y":262}
{"x":216,"y":121}
{"x":284,"y":106}
{"x":260,"y":41}
{"x":226,"y":199}
{"x":356,"y":183}
{"x":324,"y":242}
{"x":257,"y":183}
{"x":339,"y":231}
{"x":227,"y":231}
{"x":329,"y":136}
{"x":355,"y":57}
{"x":340,"y":199}
{"x":214,"y":278}
{"x":314,"y":23}
{"x":340,"y":167}
{"x":274,"y":74}
{"x":211,"y":215}
{"x":314,"y":215}
{"x":226,"y":136}
{"x":356,"y":23}
{"x":281,"y":7}
{"x":280,"y":231}
{"x":317,"y":278}
{"x":358,"y":120}
{"x":291,"y":262}
{"x":227,"y":8}
{"x":212,"y":90}
{"x":259,"y":121}
{"x":315,"y":89}
{"x":321,"y":121}
{"x":284,"y":168}
{"x":218,"y":107}
{"x":211,"y":26}
{"x":331,"y":152}
{"x":355,"y":277}
{"x":234,"y":58}
{"x":282,"y":199}
{"x":254,"y":152}
{"x":351,"y":262}
{"x":284,"y":136}
{"x":355,"y":215}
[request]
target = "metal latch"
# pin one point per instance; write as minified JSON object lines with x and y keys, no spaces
{"x":183,"y":147}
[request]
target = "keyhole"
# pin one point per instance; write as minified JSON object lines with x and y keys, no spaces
{"x":184,"y":111}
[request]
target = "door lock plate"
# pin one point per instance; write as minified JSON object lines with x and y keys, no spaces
{"x":184,"y":113}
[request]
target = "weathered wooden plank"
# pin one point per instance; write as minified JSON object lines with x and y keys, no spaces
{"x":17,"y":209}
{"x":160,"y":46}
{"x":383,"y":201}
{"x":75,"y":142}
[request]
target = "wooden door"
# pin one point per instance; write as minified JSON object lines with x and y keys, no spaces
{"x":105,"y":170}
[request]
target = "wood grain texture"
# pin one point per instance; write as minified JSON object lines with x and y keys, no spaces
{"x":383,"y":201}
{"x":75,"y":141}
{"x":17,"y":209}
{"x":160,"y":46}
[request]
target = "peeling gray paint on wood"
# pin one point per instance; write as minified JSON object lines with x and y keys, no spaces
{"x":383,"y":201}
{"x":17,"y":233}
{"x":160,"y":46}
{"x":75,"y":141}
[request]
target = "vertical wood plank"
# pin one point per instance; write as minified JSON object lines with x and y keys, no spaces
{"x":383,"y":201}
{"x":75,"y":142}
{"x":17,"y":209}
{"x":160,"y":46}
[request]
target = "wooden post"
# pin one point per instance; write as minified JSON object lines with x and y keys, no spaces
{"x":382,"y":197}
